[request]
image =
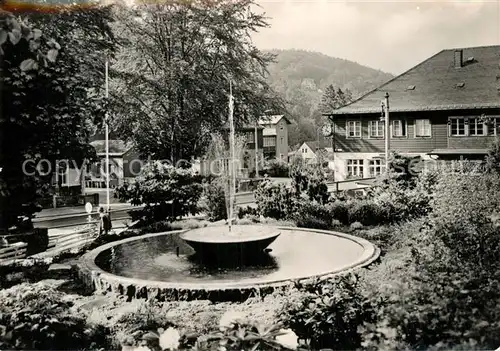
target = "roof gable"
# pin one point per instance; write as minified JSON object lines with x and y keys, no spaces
{"x":275,"y":119}
{"x":315,"y":145}
{"x":435,"y":84}
{"x":115,"y":146}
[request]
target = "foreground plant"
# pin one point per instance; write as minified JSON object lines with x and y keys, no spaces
{"x":37,"y":317}
{"x":235,"y":332}
{"x":327,"y":314}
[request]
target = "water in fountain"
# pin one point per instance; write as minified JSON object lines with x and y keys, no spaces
{"x":219,"y":151}
{"x":235,"y":245}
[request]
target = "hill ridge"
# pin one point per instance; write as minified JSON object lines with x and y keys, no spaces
{"x":301,"y":76}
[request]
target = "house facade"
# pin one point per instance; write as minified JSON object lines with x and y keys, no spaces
{"x":312,"y":151}
{"x":124,"y":164}
{"x":445,"y":108}
{"x":275,"y":137}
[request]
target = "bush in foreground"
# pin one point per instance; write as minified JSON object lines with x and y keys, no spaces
{"x":37,"y":317}
{"x":328,"y":314}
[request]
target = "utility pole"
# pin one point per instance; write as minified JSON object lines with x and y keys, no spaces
{"x":385,"y":111}
{"x":106,"y":123}
{"x":256,"y":151}
{"x":232,"y":183}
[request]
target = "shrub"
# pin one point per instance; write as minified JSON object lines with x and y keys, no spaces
{"x":147,"y":329}
{"x":448,"y":297}
{"x":328,"y":314}
{"x":27,"y":270}
{"x":311,"y":181}
{"x":309,"y":221}
{"x":366,"y":212}
{"x":311,"y":214}
{"x":438,"y":310}
{"x":165,"y":191}
{"x":247,"y":211}
{"x":315,"y":209}
{"x":336,"y":223}
{"x":215,"y":200}
{"x":277,"y":168}
{"x":404,"y":200}
{"x":340,"y":211}
{"x":493,"y":157}
{"x":37,"y":317}
{"x":356,"y":226}
{"x":274,"y":200}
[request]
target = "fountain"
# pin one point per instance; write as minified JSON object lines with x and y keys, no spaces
{"x":235,"y":244}
{"x":221,"y":262}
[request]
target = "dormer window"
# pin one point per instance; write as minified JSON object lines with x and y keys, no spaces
{"x":410,"y":87}
{"x":460,"y":85}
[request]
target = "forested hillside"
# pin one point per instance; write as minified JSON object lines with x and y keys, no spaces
{"x":302,"y":77}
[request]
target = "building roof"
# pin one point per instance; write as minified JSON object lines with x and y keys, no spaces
{"x":315,"y":145}
{"x":436,"y":84}
{"x":273,"y":119}
{"x":115,"y":146}
{"x":243,"y":127}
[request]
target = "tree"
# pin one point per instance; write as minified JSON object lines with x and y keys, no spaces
{"x":333,"y":99}
{"x":493,"y":157}
{"x":49,"y":107}
{"x":171,"y":78}
{"x":167,"y":192}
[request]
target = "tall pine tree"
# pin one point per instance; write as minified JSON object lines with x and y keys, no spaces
{"x":333,"y":99}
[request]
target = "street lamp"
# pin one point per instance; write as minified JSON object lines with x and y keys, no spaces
{"x":106,"y":122}
{"x":385,"y":117}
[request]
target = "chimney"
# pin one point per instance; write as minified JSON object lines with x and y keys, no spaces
{"x":459,"y":58}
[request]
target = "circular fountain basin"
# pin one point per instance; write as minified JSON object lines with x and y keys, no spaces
{"x":164,"y":265}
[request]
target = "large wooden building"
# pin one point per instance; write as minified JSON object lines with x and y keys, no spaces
{"x":447,"y":107}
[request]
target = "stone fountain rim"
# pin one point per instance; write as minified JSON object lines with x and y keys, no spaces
{"x":271,"y":233}
{"x":87,"y":264}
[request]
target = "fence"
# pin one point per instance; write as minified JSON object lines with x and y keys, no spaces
{"x":57,"y":201}
{"x":13,"y":252}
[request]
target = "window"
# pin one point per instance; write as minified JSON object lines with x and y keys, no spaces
{"x":281,"y":157}
{"x":476,"y":127}
{"x":457,"y":126}
{"x":99,"y":170}
{"x":376,"y":167}
{"x":398,"y":128}
{"x":269,"y":141}
{"x":355,"y":168}
{"x":281,"y":140}
{"x":492,"y":126}
{"x":376,"y":129}
{"x":225,"y":165}
{"x":250,"y":137}
{"x":422,"y":128}
{"x":354,"y":129}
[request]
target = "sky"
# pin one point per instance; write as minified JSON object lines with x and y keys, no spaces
{"x":392,"y":36}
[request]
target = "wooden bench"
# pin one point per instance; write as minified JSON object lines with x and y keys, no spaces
{"x":13,"y":252}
